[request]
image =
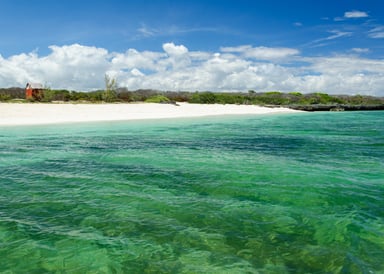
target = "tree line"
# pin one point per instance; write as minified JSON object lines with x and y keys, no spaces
{"x":273,"y":98}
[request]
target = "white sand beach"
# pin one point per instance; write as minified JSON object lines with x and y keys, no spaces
{"x":38,"y":113}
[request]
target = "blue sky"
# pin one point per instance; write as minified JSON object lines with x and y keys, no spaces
{"x":330,"y":46}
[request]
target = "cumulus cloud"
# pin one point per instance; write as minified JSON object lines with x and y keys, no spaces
{"x":175,"y":67}
{"x":346,"y":75}
{"x":64,"y":67}
{"x":178,"y":56}
{"x":173,"y":50}
{"x":134,"y":59}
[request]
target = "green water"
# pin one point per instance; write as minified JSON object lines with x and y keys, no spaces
{"x":294,"y":193}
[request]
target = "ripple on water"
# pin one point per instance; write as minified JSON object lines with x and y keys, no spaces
{"x":270,"y":194}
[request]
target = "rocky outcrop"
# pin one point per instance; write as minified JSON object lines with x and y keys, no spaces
{"x":336,"y":107}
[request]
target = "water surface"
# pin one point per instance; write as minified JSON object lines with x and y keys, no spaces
{"x":292,"y":193}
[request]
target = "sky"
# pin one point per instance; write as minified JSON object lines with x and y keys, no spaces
{"x":331,"y":46}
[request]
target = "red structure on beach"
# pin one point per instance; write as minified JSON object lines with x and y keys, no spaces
{"x":34,"y":91}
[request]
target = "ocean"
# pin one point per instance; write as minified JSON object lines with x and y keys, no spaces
{"x":280,"y":193}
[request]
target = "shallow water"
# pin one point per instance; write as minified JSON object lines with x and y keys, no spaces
{"x":292,"y":193}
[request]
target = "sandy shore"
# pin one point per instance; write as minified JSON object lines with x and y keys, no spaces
{"x":33,"y":114}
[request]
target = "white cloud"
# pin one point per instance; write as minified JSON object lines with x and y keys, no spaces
{"x":134,"y":59}
{"x":144,"y":31}
{"x":178,"y":56}
{"x":63,"y":68}
{"x":262,"y":53}
{"x":346,"y":75}
{"x":136,"y":72}
{"x":175,"y":67}
{"x":360,"y":50}
{"x":173,"y":50}
{"x":335,"y":34}
{"x":240,"y":49}
{"x":377,"y":32}
{"x":355,"y":14}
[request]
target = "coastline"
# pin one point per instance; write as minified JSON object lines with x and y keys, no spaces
{"x":15,"y":114}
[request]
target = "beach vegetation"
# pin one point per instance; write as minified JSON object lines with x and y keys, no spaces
{"x":48,"y":95}
{"x":112,"y":93}
{"x":124,"y":95}
{"x":158,"y":99}
{"x":141,"y":95}
{"x":5,"y":97}
{"x":203,"y":98}
{"x":109,"y":94}
{"x":179,"y":96}
{"x":80,"y":96}
{"x":295,"y":93}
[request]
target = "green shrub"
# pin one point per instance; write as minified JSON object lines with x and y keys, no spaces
{"x":295,"y":93}
{"x":5,"y":97}
{"x":158,"y":99}
{"x":203,"y":98}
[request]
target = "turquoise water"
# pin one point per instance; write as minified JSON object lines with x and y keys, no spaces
{"x":293,"y":193}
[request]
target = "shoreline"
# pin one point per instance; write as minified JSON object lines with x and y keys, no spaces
{"x":17,"y":114}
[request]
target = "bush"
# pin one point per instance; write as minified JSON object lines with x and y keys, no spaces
{"x":203,"y":98}
{"x":158,"y":99}
{"x":5,"y":97}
